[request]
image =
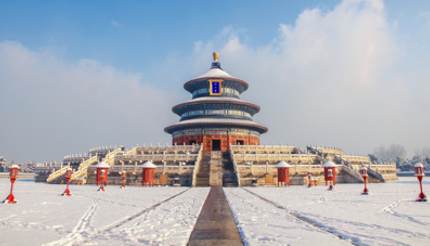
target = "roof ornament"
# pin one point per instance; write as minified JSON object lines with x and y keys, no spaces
{"x":215,"y":63}
{"x":215,"y":56}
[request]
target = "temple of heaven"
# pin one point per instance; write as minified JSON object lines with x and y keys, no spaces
{"x":217,"y":143}
{"x":216,"y":117}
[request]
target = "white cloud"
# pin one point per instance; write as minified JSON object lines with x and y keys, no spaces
{"x":49,"y":106}
{"x":335,"y":77}
{"x":331,"y":78}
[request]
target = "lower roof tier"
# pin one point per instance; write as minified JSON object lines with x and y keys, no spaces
{"x":203,"y":103}
{"x":214,"y":122}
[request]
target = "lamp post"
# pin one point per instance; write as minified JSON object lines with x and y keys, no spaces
{"x":13,"y":173}
{"x":67,"y":175}
{"x":419,"y":172}
{"x":364,"y":175}
{"x":283,"y":173}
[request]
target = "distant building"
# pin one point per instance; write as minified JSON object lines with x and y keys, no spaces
{"x":2,"y":164}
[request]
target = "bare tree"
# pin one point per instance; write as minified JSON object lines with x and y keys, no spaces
{"x":394,"y":152}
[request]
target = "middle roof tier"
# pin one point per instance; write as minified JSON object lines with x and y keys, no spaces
{"x":210,"y":103}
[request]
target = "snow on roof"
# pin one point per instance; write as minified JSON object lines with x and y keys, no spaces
{"x":102,"y":164}
{"x":215,"y":73}
{"x":419,"y":164}
{"x":329,"y":164}
{"x":149,"y":164}
{"x":219,"y":100}
{"x":14,"y":166}
{"x":218,"y":121}
{"x":282,"y":164}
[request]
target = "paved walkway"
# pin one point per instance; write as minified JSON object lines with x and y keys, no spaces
{"x":215,"y":225}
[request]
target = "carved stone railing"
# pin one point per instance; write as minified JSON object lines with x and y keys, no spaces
{"x":57,"y":174}
{"x":356,"y":159}
{"x":110,"y":157}
{"x":262,"y":149}
{"x":167,"y":149}
{"x":197,"y":166}
{"x":81,"y":173}
{"x":157,"y":157}
{"x":292,"y":158}
{"x":235,"y":169}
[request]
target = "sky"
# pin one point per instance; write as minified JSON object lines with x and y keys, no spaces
{"x":78,"y":74}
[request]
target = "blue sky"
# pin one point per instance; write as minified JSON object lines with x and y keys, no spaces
{"x":143,"y":33}
{"x":67,"y":67}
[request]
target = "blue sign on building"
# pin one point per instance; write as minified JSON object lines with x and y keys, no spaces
{"x":215,"y":87}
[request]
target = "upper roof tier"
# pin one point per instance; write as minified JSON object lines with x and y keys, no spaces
{"x":215,"y":72}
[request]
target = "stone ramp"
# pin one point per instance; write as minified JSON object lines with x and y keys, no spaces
{"x":215,"y":225}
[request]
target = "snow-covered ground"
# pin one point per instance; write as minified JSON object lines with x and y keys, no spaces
{"x":166,"y":215}
{"x":300,"y":216}
{"x":136,"y":216}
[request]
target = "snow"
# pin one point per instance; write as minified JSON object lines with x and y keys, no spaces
{"x":303,"y":216}
{"x":215,"y":73}
{"x":131,"y":217}
{"x":265,"y":215}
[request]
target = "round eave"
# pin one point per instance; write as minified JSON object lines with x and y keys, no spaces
{"x":180,"y":108}
{"x":186,"y":124}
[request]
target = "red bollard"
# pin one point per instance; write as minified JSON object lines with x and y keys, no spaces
{"x":283,"y":173}
{"x":419,"y":171}
{"x":330,"y":167}
{"x":102,"y":175}
{"x":123,"y":174}
{"x":68,"y":175}
{"x":13,"y":173}
{"x":148,"y":173}
{"x":364,"y":175}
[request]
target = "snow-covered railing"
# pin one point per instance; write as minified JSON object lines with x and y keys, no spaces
{"x":352,"y":172}
{"x":197,"y":166}
{"x":329,"y":150}
{"x":57,"y":174}
{"x":168,"y":149}
{"x":248,"y":149}
{"x":235,"y":168}
{"x":356,"y":159}
{"x":293,"y":158}
{"x":158,"y":157}
{"x":81,"y":173}
{"x":110,"y":157}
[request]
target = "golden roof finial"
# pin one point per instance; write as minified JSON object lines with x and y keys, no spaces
{"x":215,"y":56}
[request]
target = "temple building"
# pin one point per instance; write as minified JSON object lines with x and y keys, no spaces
{"x":216,"y":142}
{"x":216,"y":117}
